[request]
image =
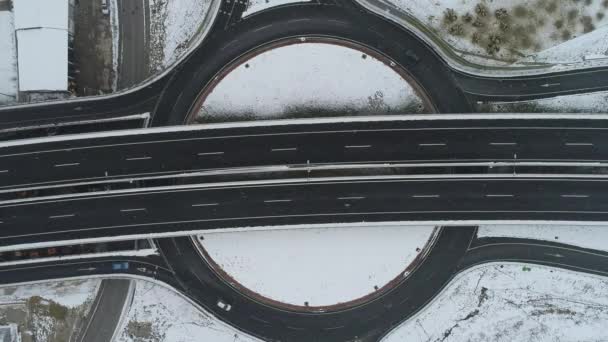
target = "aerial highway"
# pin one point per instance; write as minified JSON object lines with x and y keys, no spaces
{"x":179,"y":209}
{"x":106,"y":157}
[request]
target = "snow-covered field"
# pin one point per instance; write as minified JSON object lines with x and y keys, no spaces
{"x":173,"y":25}
{"x":8,"y":59}
{"x":309,"y":79}
{"x":49,"y":311}
{"x":503,"y":32}
{"x":161,"y":315}
{"x":318,"y":266}
{"x":259,"y":5}
{"x":593,"y":237}
{"x":513,"y":302}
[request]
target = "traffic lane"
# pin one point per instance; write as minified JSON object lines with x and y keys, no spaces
{"x":538,"y":252}
{"x":150,"y":267}
{"x":533,"y":87}
{"x":107,"y":310}
{"x":195,"y":208}
{"x":72,"y":162}
{"x":366,"y":322}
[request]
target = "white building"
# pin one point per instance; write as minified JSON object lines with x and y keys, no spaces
{"x":44,"y":34}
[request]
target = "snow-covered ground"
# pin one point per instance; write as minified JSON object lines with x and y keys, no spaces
{"x":173,"y":26}
{"x":318,"y":266}
{"x":67,"y":293}
{"x":593,"y":237}
{"x":309,"y":79}
{"x":582,"y":103}
{"x":8,"y":59}
{"x":259,"y":5}
{"x":161,"y":315}
{"x":503,"y":32}
{"x":513,"y":302}
{"x":48,"y":311}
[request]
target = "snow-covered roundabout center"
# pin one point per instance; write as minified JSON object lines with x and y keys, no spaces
{"x":320,"y":268}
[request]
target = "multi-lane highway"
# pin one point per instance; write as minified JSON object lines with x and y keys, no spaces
{"x":108,"y":156}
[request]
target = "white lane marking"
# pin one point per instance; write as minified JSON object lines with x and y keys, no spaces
{"x":426,"y":196}
{"x":503,"y":144}
{"x":66,"y":165}
{"x":351,"y":198}
{"x":278,"y":201}
{"x":3,"y":171}
{"x":209,"y":153}
{"x":284,"y":149}
{"x":205,"y":204}
{"x":579,"y":144}
{"x":432,"y":145}
{"x":132,"y":210}
{"x":575,"y":196}
{"x":62,"y":216}
{"x":357,"y":146}
{"x":499,"y":195}
{"x":138,"y":158}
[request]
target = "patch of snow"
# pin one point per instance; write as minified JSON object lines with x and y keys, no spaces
{"x":8,"y":59}
{"x":159,"y":314}
{"x":309,"y":79}
{"x":41,"y":13}
{"x":173,"y":26}
{"x":513,"y":302}
{"x":593,"y":237}
{"x":593,"y":45}
{"x":321,"y":266}
{"x":526,"y":27}
{"x":69,"y":293}
{"x":582,"y":103}
{"x":258,"y":5}
{"x":113,"y":7}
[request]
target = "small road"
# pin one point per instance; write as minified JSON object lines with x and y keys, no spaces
{"x":106,"y":311}
{"x":134,"y":27}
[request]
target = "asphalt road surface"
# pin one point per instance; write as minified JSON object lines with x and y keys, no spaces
{"x":109,"y":156}
{"x":106,"y":311}
{"x":210,"y":206}
{"x":134,"y":44}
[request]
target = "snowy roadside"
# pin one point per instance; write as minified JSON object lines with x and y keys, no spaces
{"x":254,"y":6}
{"x":173,"y":26}
{"x":513,"y":302}
{"x":48,"y":311}
{"x":593,"y":237}
{"x":159,"y":314}
{"x":8,"y":59}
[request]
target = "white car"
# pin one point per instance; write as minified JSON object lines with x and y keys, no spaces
{"x":223,"y":305}
{"x":104,"y":7}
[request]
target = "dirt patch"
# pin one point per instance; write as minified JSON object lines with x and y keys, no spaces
{"x":93,"y":49}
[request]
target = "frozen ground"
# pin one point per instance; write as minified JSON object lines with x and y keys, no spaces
{"x":318,"y":266}
{"x":593,"y":237}
{"x":308,"y":80}
{"x":503,"y":32}
{"x":258,"y":5}
{"x":160,"y":315}
{"x":173,"y":25}
{"x":51,"y":311}
{"x":8,"y":59}
{"x":512,"y":303}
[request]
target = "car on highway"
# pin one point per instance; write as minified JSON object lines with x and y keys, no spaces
{"x":223,"y":305}
{"x":118,"y":266}
{"x":105,"y":9}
